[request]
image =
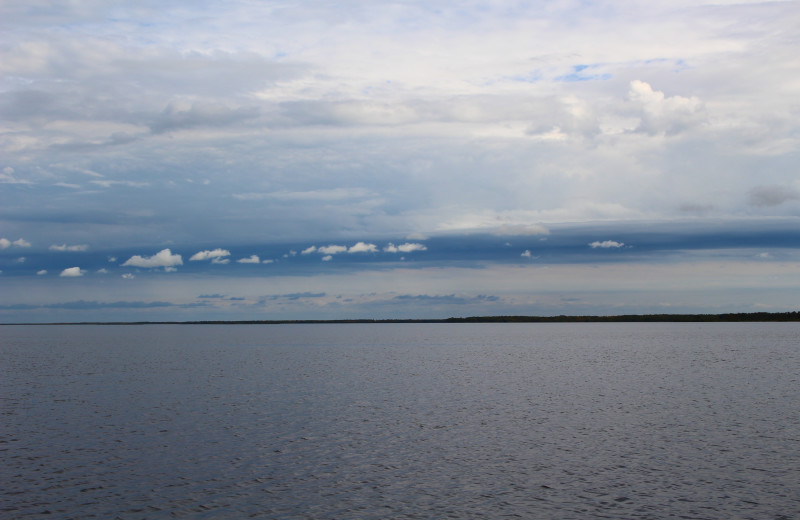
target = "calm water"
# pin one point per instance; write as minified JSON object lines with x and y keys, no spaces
{"x":431,"y":421}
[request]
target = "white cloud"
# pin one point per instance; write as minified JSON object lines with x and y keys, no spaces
{"x":661,"y":114}
{"x":268,"y":261}
{"x":130,"y":184}
{"x":327,"y":258}
{"x":362,"y":247}
{"x":220,"y":260}
{"x":128,"y":276}
{"x":41,"y":272}
{"x":331,"y":250}
{"x":72,"y":272}
{"x":252,"y":259}
{"x":163,"y":258}
{"x":64,"y":247}
{"x":210,"y":254}
{"x":21,"y":260}
{"x":6,"y":243}
{"x":102,"y":270}
{"x":408,"y":247}
{"x":526,"y":254}
{"x":308,"y":250}
{"x":606,"y":244}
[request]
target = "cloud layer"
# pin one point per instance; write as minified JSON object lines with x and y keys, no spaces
{"x":302,"y":139}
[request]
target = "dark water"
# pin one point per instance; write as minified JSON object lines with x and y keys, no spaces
{"x":431,"y":421}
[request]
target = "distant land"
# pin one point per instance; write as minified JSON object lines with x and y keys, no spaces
{"x":624,"y":318}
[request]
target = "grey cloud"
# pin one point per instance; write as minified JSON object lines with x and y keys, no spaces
{"x":86,"y":305}
{"x":769,"y":196}
{"x":178,"y":116}
{"x":447,"y":298}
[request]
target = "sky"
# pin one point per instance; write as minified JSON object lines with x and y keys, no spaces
{"x":246,"y":159}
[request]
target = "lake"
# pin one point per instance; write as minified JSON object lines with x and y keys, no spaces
{"x":404,"y":421}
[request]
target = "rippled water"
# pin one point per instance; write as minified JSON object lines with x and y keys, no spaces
{"x":401,"y":421}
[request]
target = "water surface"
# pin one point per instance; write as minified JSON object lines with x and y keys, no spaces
{"x":375,"y":421}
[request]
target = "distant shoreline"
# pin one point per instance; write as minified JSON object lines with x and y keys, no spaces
{"x":623,"y":318}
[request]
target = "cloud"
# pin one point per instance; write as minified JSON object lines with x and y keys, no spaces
{"x":130,"y":184}
{"x":128,"y":276}
{"x":179,"y":115}
{"x":64,"y":247}
{"x":296,"y":296}
{"x":408,"y":247}
{"x":526,"y":254}
{"x":20,"y":242}
{"x":606,"y":244}
{"x":447,"y":298}
{"x":252,"y":259}
{"x":521,"y":230}
{"x":163,"y":258}
{"x":214,"y":255}
{"x":662,"y":114}
{"x":71,"y":272}
{"x":331,"y":195}
{"x":308,"y":250}
{"x":769,"y":196}
{"x":94,"y":305}
{"x":41,"y":272}
{"x":327,"y":258}
{"x":332,"y":250}
{"x":362,"y":247}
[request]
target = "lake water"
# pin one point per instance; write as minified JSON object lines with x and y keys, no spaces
{"x":561,"y":421}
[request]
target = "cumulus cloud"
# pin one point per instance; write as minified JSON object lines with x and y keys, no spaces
{"x":214,"y":255}
{"x":331,"y":250}
{"x":526,"y":254}
{"x":65,"y":247}
{"x":20,"y":242}
{"x":163,"y":258}
{"x":662,"y":114}
{"x":606,"y":244}
{"x":327,"y":258}
{"x":769,"y":196}
{"x":408,"y":247}
{"x":308,"y":250}
{"x":362,"y":247}
{"x":72,"y":272}
{"x":128,"y":276}
{"x":252,"y":259}
{"x":41,"y":272}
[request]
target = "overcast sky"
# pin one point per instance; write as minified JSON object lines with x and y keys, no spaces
{"x":369,"y":159}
